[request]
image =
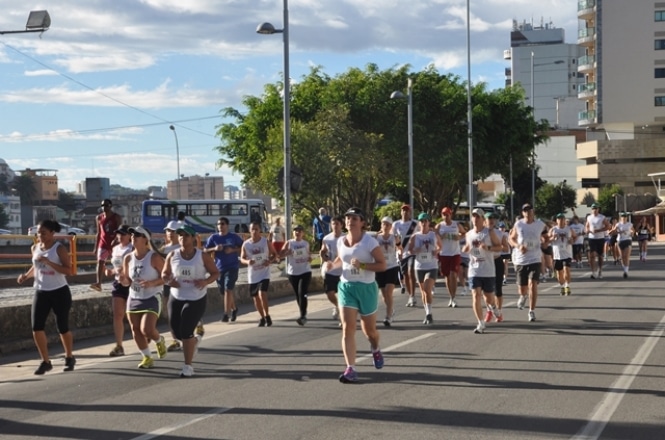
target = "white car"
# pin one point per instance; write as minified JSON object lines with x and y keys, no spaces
{"x":65,"y":229}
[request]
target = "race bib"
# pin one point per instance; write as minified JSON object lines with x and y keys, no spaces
{"x":185,"y":273}
{"x":425,"y":257}
{"x":532,"y":244}
{"x":136,"y":287}
{"x":353,"y":273}
{"x":116,"y":262}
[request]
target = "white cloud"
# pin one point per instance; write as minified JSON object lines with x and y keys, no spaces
{"x":42,"y":72}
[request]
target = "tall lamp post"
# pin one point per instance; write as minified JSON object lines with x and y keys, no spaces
{"x":177,"y":159}
{"x":38,"y":21}
{"x":533,"y":106}
{"x":269,"y":29}
{"x":409,"y":97}
{"x":469,"y":110}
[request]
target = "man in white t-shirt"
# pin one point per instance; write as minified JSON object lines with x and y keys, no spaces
{"x":596,"y":226}
{"x":404,"y":229}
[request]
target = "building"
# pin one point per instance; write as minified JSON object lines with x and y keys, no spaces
{"x":12,"y":207}
{"x":196,"y":188}
{"x":46,"y":184}
{"x":623,"y":93}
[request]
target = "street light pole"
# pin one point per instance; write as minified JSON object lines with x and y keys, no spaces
{"x":38,"y":21}
{"x":267,"y":28}
{"x":469,"y":107}
{"x":177,"y":159}
{"x":533,"y":153}
{"x":409,"y":96}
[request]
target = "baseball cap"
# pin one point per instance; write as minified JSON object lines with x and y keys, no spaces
{"x":387,"y":219}
{"x":140,"y":231}
{"x":491,"y":215}
{"x":527,"y":207}
{"x":478,"y":211}
{"x":623,"y":214}
{"x":595,"y":206}
{"x":185,"y":229}
{"x":423,"y":216}
{"x":123,"y":230}
{"x":107,"y":202}
{"x":355,"y":211}
{"x":502,"y":225}
{"x":407,"y":207}
{"x":561,"y":215}
{"x":173,"y":225}
{"x":298,"y":228}
{"x":446,"y":210}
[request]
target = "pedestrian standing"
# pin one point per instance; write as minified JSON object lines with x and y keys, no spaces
{"x":50,"y":263}
{"x":277,"y":235}
{"x":320,"y":227}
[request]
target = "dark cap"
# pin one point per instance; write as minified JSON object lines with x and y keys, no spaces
{"x":355,"y":211}
{"x":406,"y":207}
{"x":107,"y":202}
{"x":623,"y":214}
{"x":561,"y":215}
{"x":123,"y":230}
{"x":298,"y":228}
{"x":527,"y":207}
{"x":491,"y":215}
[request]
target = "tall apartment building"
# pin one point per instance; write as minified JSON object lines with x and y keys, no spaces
{"x":196,"y":188}
{"x":624,"y":93}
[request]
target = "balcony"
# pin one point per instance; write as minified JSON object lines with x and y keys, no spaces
{"x":586,"y":36}
{"x":508,"y":54}
{"x":586,"y":118}
{"x":508,"y":72}
{"x":587,"y":90}
{"x":586,"y":63}
{"x":585,"y":9}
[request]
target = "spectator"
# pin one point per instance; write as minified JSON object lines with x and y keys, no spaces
{"x":108,"y":223}
{"x":321,"y":226}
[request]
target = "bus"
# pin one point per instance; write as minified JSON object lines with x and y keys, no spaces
{"x":202,"y":215}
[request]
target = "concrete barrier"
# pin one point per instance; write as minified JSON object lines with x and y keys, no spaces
{"x":92,"y":316}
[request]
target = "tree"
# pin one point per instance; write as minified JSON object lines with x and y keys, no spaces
{"x":4,"y":218}
{"x":4,"y":186}
{"x":25,"y":187}
{"x":553,"y":199}
{"x":607,"y":199}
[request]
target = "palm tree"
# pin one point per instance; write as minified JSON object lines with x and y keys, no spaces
{"x":25,"y":187}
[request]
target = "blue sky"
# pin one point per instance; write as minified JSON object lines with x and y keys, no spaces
{"x":95,"y":95}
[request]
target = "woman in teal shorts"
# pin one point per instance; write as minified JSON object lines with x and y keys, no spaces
{"x":360,"y":257}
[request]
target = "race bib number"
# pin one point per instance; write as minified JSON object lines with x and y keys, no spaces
{"x":353,"y":273}
{"x":643,"y":232}
{"x":425,"y":257}
{"x":532,"y":244}
{"x":259,"y":259}
{"x":136,"y":286}
{"x":185,"y":273}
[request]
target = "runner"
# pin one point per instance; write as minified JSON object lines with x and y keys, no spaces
{"x":526,"y":237}
{"x":298,"y":269}
{"x":277,"y":235}
{"x":320,"y":227}
{"x":643,"y":237}
{"x":360,"y":257}
{"x":119,"y":293}
{"x":107,"y":223}
{"x":257,"y":253}
{"x":226,"y":247}
{"x":578,"y":244}
{"x":625,"y":231}
{"x":463,"y":268}
{"x":50,"y":263}
{"x":424,"y":245}
{"x":188,"y":271}
{"x":404,"y":229}
{"x":611,"y":242}
{"x":505,"y":257}
{"x":141,"y":272}
{"x":481,"y":243}
{"x":562,"y":237}
{"x":596,"y":226}
{"x":547,"y":263}
{"x":329,"y":253}
{"x":449,"y":232}
{"x":388,"y":279}
{"x":499,"y":265}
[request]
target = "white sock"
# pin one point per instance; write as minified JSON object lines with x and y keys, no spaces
{"x":146,"y":352}
{"x":428,"y":309}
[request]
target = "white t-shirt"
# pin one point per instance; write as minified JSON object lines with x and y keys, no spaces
{"x":297,"y":262}
{"x":624,"y":230}
{"x":330,"y":241}
{"x":528,"y":234}
{"x":401,"y":229}
{"x":142,"y":270}
{"x":424,"y":248}
{"x":596,"y":222}
{"x":389,"y":250}
{"x":562,"y":249}
{"x":118,"y":256}
{"x":47,"y":278}
{"x":481,"y":260}
{"x":449,"y":239}
{"x":185,"y":272}
{"x":362,"y":251}
{"x":259,"y":252}
{"x":277,"y":233}
{"x":578,"y":229}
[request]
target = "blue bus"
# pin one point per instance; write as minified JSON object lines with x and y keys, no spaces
{"x":202,"y":215}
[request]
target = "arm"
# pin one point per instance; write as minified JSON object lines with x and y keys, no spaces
{"x":505,"y":246}
{"x":439,"y":244}
{"x":272,"y":254}
{"x":323,"y":253}
{"x":379,"y":264}
{"x":496,"y":243}
{"x":167,"y":275}
{"x":286,"y":250}
{"x":244,"y":257}
{"x":124,"y":278}
{"x":65,"y":266}
{"x":29,"y":274}
{"x":97,"y":236}
{"x":235,"y":248}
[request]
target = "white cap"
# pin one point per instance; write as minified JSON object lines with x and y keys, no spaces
{"x":387,"y":220}
{"x":173,"y":225}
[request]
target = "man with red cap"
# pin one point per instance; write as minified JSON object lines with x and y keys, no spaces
{"x":404,"y":229}
{"x":450,"y":233}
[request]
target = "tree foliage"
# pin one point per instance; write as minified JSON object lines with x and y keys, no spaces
{"x":553,"y":199}
{"x":25,"y":188}
{"x":607,"y":199}
{"x":4,"y":217}
{"x":350,"y":139}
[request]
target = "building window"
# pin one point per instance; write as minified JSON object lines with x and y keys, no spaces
{"x":660,"y":101}
{"x":659,"y":16}
{"x":659,"y":73}
{"x":660,"y":45}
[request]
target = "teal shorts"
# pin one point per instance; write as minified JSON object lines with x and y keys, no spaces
{"x":363,"y":297}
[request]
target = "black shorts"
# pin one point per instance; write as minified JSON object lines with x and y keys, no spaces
{"x":261,"y":286}
{"x":407,"y":263}
{"x":597,"y":245}
{"x":119,"y":291}
{"x":559,"y":264}
{"x":330,"y":283}
{"x":623,"y":244}
{"x":390,"y":276}
{"x":613,"y":240}
{"x":548,"y":251}
{"x":526,"y":273}
{"x":578,"y":248}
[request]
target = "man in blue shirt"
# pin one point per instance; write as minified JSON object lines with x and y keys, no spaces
{"x":226,"y":247}
{"x":321,"y":226}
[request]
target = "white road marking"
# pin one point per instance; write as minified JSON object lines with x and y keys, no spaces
{"x":396,"y":346}
{"x":175,"y":427}
{"x":608,"y":405}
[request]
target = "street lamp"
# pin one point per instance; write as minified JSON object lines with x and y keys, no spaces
{"x":409,"y":97}
{"x":469,"y":110}
{"x":269,"y":29}
{"x":38,"y":21}
{"x":533,"y":107}
{"x":177,"y":158}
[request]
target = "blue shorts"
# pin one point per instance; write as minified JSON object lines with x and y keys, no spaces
{"x":363,"y":297}
{"x":486,"y":284}
{"x":227,"y":279}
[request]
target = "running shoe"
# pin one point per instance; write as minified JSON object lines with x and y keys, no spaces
{"x":532,"y":316}
{"x":388,"y":321}
{"x":268,"y":320}
{"x":69,"y":363}
{"x":225,"y":318}
{"x":567,"y":290}
{"x":403,"y":291}
{"x":200,"y":331}
{"x":174,"y":346}
{"x":411,"y":302}
{"x":349,"y":376}
{"x":43,"y":368}
{"x":488,"y":316}
{"x":593,"y":274}
{"x":452,"y":303}
{"x":117,"y":351}
{"x":428,"y":320}
{"x":146,"y":362}
{"x":521,"y":302}
{"x":234,"y":314}
{"x":480,"y":328}
{"x":187,"y":371}
{"x":335,"y":313}
{"x":161,"y":347}
{"x":505,"y":282}
{"x":301,"y":321}
{"x":262,"y":322}
{"x":600,"y":275}
{"x":625,"y":274}
{"x":377,"y":359}
{"x":498,"y":315}
{"x":96,"y":287}
{"x":563,"y":291}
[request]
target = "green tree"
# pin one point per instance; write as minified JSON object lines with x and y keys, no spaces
{"x":25,"y":187}
{"x":553,"y":199}
{"x":4,"y":218}
{"x":4,"y":186}
{"x":607,"y":199}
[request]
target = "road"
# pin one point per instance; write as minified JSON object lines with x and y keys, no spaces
{"x":591,"y":367}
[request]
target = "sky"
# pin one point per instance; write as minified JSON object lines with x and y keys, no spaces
{"x":94,"y":96}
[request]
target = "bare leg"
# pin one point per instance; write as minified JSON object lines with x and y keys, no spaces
{"x":188,"y":349}
{"x":41,"y":343}
{"x":67,"y":340}
{"x":387,"y":293}
{"x":368,"y":325}
{"x":349,"y":317}
{"x":119,"y":306}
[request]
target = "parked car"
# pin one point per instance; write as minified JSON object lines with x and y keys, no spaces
{"x":65,"y":229}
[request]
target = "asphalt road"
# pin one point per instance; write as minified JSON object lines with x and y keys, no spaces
{"x":591,"y":367}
